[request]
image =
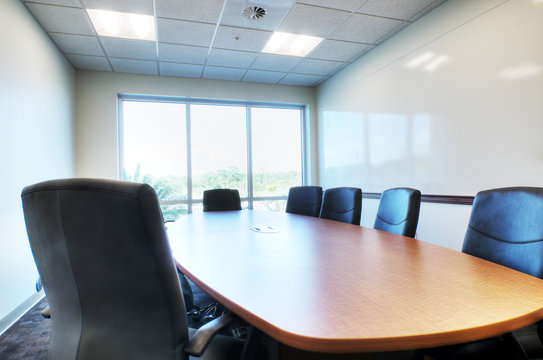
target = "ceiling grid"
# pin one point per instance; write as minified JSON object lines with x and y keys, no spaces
{"x":211,"y":39}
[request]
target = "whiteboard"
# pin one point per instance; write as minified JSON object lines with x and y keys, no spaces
{"x":453,"y":115}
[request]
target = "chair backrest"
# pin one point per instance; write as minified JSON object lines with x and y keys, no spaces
{"x":342,"y":204}
{"x":506,"y":227}
{"x":104,"y":258}
{"x":398,"y":211}
{"x":304,"y":200}
{"x":221,"y":199}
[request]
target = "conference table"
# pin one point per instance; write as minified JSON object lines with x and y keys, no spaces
{"x":326,"y":286}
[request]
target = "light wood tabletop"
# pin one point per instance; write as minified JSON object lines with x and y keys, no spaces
{"x":326,"y":286}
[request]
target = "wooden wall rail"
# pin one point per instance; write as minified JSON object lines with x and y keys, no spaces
{"x":442,"y":199}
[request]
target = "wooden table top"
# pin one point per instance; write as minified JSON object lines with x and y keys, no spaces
{"x":326,"y":286}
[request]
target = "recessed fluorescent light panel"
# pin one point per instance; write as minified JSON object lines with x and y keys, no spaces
{"x":291,"y":44}
{"x":122,"y":25}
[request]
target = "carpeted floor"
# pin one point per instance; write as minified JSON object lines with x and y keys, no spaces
{"x":28,"y":338}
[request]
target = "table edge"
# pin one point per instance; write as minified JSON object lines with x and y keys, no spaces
{"x":347,"y":345}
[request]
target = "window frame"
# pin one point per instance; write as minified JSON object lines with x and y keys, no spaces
{"x":187,"y":101}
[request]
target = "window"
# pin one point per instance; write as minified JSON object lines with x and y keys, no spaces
{"x":184,"y":147}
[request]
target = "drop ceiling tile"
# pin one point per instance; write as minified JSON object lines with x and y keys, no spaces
{"x":365,"y":29}
{"x":402,"y":10}
{"x":221,"y":73}
{"x":183,"y":70}
{"x":129,"y":49}
{"x":61,"y":19}
{"x":134,"y":66}
{"x":130,"y":6}
{"x":312,"y":20}
{"x":338,"y":50}
{"x":184,"y":32}
{"x":231,"y":58}
{"x":276,"y":10}
{"x":233,"y":38}
{"x":317,"y":67}
{"x":182,"y":53}
{"x":275,"y":62}
{"x":270,"y":77}
{"x":186,"y":28}
{"x":72,"y":3}
{"x":78,"y":44}
{"x":301,"y":80}
{"x":84,"y":62}
{"x":194,"y":10}
{"x":347,"y":5}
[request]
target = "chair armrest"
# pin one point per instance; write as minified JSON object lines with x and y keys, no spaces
{"x":203,"y":336}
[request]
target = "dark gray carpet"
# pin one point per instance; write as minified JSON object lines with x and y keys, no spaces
{"x":28,"y":338}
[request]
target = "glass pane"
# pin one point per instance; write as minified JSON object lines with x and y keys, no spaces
{"x":154,"y":147}
{"x":277,"y":150}
{"x":219,"y":150}
{"x":173,"y":212}
{"x":270,"y":205}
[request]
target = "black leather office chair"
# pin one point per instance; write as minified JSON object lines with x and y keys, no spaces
{"x":103,"y":255}
{"x":221,"y":199}
{"x":505,"y":227}
{"x":342,"y":204}
{"x":398,"y":211}
{"x":304,"y":200}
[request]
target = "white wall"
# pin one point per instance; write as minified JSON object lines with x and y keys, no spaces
{"x":440,"y":224}
{"x":451,"y":105}
{"x":36,"y":98}
{"x":444,"y":106}
{"x":96,"y":111}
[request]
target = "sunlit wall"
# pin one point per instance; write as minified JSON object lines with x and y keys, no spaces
{"x":36,"y":93}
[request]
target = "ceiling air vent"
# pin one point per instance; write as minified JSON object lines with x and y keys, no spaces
{"x":254,"y":13}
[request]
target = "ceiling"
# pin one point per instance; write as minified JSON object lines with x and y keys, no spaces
{"x":210,"y":39}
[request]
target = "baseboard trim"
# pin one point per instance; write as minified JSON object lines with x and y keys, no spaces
{"x":15,"y":314}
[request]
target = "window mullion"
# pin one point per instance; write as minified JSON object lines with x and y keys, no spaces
{"x":248,"y":120}
{"x":304,"y":142}
{"x":189,"y":157}
{"x":120,"y":135}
